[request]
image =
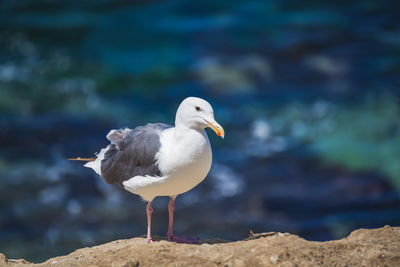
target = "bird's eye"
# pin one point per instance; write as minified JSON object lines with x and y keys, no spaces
{"x":197,"y":108}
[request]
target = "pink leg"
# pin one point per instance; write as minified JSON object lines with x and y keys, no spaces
{"x":149,"y":210}
{"x":170,"y":233}
{"x":171,"y":208}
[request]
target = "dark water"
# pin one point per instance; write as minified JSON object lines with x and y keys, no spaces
{"x":308,"y":94}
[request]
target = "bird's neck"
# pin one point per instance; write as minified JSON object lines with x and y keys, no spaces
{"x":182,"y":130}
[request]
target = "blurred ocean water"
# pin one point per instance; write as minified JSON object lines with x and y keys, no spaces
{"x":308,"y":94}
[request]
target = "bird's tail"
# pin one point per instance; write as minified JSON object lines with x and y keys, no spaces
{"x":82,"y":159}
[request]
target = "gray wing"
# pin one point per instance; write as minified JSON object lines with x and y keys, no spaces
{"x":132,"y":153}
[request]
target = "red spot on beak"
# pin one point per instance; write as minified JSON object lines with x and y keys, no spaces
{"x":219,"y":133}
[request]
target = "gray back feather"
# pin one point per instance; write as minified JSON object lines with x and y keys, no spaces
{"x":132,"y":153}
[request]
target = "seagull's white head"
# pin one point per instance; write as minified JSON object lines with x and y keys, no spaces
{"x":197,"y":113}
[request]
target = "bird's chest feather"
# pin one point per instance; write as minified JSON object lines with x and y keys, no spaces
{"x":190,"y":153}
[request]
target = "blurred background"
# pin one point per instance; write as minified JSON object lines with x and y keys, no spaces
{"x":308,"y":94}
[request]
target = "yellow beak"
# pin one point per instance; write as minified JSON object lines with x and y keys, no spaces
{"x":216,"y":128}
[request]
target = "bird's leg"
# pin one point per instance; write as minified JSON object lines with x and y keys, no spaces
{"x":171,"y":208}
{"x":149,"y":210}
{"x":170,"y":233}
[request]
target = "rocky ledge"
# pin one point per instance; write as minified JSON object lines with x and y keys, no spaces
{"x":363,"y":247}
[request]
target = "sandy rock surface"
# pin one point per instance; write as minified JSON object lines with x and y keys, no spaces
{"x":364,"y":247}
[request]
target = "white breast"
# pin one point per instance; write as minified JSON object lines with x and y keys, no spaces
{"x":184,"y":160}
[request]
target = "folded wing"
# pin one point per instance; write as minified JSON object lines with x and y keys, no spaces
{"x":131,"y":153}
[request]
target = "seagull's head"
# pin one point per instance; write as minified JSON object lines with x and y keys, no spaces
{"x":197,"y":113}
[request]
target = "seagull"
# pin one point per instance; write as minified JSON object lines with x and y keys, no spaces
{"x":159,"y":159}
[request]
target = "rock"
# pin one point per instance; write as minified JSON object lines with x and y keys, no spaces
{"x":363,"y":247}
{"x":3,"y":259}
